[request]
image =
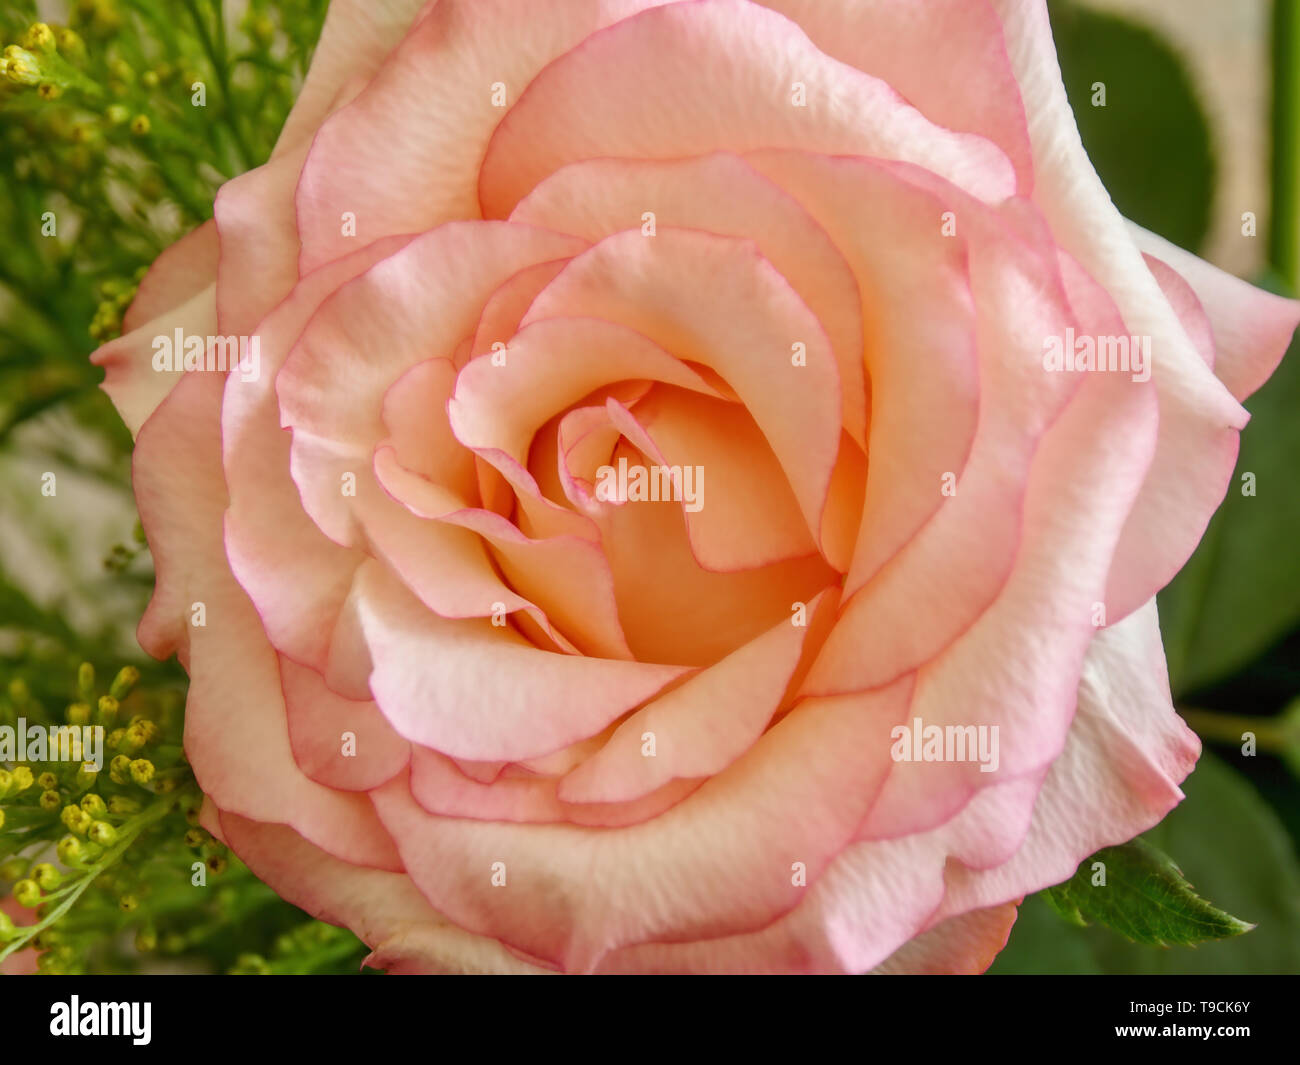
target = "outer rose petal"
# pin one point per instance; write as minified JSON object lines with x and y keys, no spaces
{"x":235,"y":719}
{"x":652,"y":86}
{"x":960,"y":945}
{"x":947,"y":58}
{"x":354,"y":40}
{"x":183,"y":270}
{"x":878,"y":896}
{"x":1252,"y":328}
{"x":1195,"y":455}
{"x":296,"y":576}
{"x":1017,"y":666}
{"x":384,"y":909}
{"x":178,"y":292}
{"x":1127,"y":751}
{"x":450,"y":62}
{"x":130,"y":380}
{"x":691,"y":873}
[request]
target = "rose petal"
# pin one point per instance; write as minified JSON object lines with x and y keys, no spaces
{"x":1252,"y":328}
{"x":472,"y":690}
{"x":652,"y":86}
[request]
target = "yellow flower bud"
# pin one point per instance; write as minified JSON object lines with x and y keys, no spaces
{"x":103,"y":833}
{"x":39,"y":38}
{"x":50,"y":801}
{"x":94,"y":805}
{"x":47,"y":876}
{"x":119,"y":769}
{"x":124,"y":682}
{"x":76,"y":819}
{"x":21,"y":67}
{"x":70,"y":43}
{"x":140,"y":125}
{"x":69,"y":850}
{"x":132,"y":740}
{"x":48,"y":781}
{"x":27,"y":893}
{"x":23,"y":779}
{"x":142,"y":771}
{"x":108,"y":708}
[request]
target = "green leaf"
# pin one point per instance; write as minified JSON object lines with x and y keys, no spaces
{"x":1139,"y":892}
{"x":1151,"y":141}
{"x":1236,"y":852}
{"x":1240,"y":591}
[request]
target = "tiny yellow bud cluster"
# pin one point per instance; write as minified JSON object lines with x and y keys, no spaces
{"x":27,"y":893}
{"x":37,"y":61}
{"x":127,"y":676}
{"x":23,"y":779}
{"x":103,"y":833}
{"x":119,"y":769}
{"x":76,"y":820}
{"x":47,"y":876}
{"x":94,"y":805}
{"x":19,"y":66}
{"x":39,"y":38}
{"x":69,"y":850}
{"x":86,"y":776}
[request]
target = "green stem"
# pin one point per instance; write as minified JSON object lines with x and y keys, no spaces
{"x":1284,"y":217}
{"x":217,"y":57}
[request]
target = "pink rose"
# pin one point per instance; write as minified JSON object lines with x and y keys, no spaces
{"x":837,"y":705}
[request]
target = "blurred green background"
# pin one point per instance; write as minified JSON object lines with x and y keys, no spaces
{"x":1199,"y":126}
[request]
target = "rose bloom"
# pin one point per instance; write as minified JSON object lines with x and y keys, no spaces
{"x":456,"y":689}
